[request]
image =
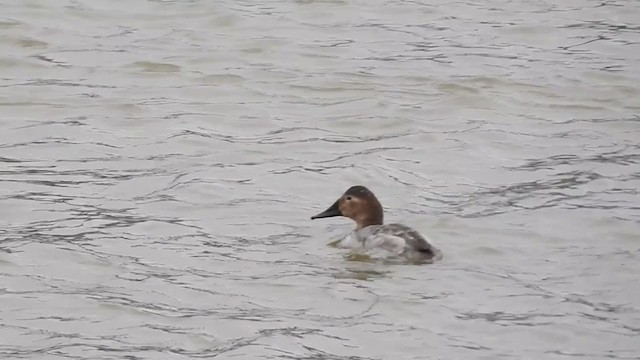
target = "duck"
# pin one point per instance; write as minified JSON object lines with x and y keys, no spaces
{"x":360,"y":205}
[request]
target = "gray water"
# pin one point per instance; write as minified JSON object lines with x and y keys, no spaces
{"x":159,"y":161}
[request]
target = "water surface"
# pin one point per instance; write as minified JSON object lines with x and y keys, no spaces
{"x":159,"y":161}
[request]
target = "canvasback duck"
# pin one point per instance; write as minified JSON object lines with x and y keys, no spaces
{"x":360,"y":205}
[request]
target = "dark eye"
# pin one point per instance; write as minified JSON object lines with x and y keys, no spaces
{"x":348,"y":198}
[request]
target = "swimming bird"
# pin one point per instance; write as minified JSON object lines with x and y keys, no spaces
{"x":360,"y":205}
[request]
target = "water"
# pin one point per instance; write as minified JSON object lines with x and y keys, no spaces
{"x":159,"y":162}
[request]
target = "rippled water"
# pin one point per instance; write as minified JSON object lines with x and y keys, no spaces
{"x":159,"y":162}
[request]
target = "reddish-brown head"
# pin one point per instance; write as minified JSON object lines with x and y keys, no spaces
{"x":359,"y":204}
